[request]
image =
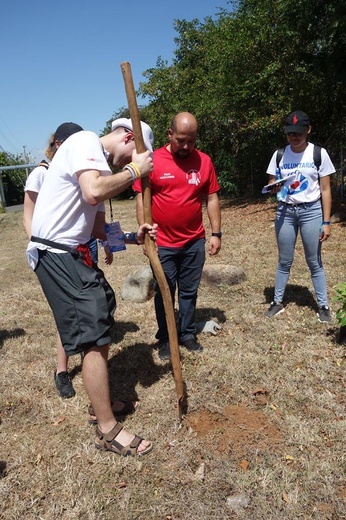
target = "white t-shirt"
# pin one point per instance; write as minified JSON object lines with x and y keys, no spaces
{"x":35,"y":179}
{"x":306,"y":186}
{"x":60,"y":213}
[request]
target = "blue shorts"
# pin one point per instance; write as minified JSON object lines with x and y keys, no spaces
{"x":82,"y":301}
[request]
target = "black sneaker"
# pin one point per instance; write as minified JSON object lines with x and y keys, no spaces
{"x":192,"y":345}
{"x":274,"y":309}
{"x":64,"y":385}
{"x":164,"y":350}
{"x":324,"y":314}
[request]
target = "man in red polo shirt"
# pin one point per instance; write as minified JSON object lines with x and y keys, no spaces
{"x":181,"y":179}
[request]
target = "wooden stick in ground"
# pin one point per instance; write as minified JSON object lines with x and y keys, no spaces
{"x":151,"y":247}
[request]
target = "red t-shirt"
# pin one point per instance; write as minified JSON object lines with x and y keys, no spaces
{"x":177,"y":190}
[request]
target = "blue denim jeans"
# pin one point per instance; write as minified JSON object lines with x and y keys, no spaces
{"x":307,"y":218}
{"x":183,"y":268}
{"x":93,"y":246}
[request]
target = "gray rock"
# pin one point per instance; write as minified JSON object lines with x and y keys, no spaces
{"x":238,"y":502}
{"x":138,"y":286}
{"x":223,"y":274}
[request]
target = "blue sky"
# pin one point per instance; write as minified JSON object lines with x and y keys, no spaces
{"x":61,"y":61}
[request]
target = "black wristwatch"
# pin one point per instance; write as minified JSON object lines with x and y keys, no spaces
{"x":131,"y":237}
{"x":218,"y":235}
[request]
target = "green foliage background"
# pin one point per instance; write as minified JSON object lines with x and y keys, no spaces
{"x":13,"y":181}
{"x":242,"y":71}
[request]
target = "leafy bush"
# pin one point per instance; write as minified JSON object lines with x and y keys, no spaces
{"x":340,"y":296}
{"x":13,"y":183}
{"x":228,"y":184}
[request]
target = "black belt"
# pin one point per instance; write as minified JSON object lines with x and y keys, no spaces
{"x":56,"y":245}
{"x":294,"y":204}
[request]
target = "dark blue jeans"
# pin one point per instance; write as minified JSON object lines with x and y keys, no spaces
{"x":183,"y":268}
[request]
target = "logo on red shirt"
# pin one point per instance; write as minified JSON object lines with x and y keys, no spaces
{"x":193,"y":177}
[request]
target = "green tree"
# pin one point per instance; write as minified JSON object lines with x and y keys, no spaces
{"x":13,"y":181}
{"x":242,"y":71}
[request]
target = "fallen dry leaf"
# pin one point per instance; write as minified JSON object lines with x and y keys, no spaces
{"x":60,"y":419}
{"x":259,"y":391}
{"x":289,"y":459}
{"x":244,"y":465}
{"x":199,"y":474}
{"x":285,"y":497}
{"x":38,"y":458}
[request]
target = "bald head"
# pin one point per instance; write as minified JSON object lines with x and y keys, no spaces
{"x":184,"y":121}
{"x":182,"y":135}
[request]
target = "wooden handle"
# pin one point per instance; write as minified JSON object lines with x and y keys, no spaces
{"x":137,"y":129}
{"x":150,"y":245}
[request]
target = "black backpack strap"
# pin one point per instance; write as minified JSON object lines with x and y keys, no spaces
{"x":317,"y":156}
{"x":44,"y":163}
{"x":279,"y":155}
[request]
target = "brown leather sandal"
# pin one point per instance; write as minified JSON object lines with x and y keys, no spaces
{"x":107,"y":442}
{"x":128,"y":409}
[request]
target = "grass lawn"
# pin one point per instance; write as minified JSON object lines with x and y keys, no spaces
{"x":264,"y":433}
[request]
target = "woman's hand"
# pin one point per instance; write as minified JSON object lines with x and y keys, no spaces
{"x":325,"y":232}
{"x":108,"y":255}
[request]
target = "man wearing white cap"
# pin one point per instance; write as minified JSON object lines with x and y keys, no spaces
{"x":148,"y":137}
{"x":82,"y":301}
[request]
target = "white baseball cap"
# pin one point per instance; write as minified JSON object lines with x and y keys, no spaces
{"x":148,"y":136}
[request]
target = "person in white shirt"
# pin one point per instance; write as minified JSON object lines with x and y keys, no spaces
{"x":33,"y":185}
{"x":82,"y":301}
{"x":304,"y":204}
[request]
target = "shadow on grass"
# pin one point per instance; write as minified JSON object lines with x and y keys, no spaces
{"x":77,"y":369}
{"x":297,"y":294}
{"x":256,"y":204}
{"x":131,"y":366}
{"x":338,"y":335}
{"x":3,"y":469}
{"x":210,"y":314}
{"x":118,"y":332}
{"x":9,"y":334}
{"x":121,"y":328}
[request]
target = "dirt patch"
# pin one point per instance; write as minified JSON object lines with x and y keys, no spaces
{"x":237,"y":431}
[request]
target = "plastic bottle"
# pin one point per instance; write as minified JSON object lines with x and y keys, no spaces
{"x":281,"y":196}
{"x":278,"y":176}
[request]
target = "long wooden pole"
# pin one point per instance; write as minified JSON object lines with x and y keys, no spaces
{"x":151,"y":247}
